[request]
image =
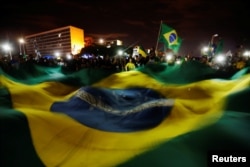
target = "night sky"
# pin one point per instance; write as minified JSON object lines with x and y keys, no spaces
{"x":132,"y":21}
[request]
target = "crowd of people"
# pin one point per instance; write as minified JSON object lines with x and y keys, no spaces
{"x":77,"y":62}
{"x":121,"y":63}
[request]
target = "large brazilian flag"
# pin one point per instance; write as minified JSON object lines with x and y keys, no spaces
{"x":157,"y":115}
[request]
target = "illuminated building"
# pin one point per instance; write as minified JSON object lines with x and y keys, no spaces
{"x":61,"y":41}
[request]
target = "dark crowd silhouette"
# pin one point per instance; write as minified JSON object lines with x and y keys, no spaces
{"x":231,"y":62}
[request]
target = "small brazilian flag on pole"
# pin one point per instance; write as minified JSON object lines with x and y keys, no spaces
{"x":142,"y":51}
{"x":170,"y":38}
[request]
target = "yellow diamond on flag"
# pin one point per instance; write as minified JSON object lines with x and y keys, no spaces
{"x":171,"y":37}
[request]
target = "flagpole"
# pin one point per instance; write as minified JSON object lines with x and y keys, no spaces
{"x":156,"y":47}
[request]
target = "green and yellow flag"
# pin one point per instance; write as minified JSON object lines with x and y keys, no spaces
{"x":156,"y":115}
{"x":169,"y":37}
{"x":142,"y":51}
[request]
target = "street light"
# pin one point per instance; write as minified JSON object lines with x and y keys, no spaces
{"x":120,"y":52}
{"x":212,"y":38}
{"x":101,"y":41}
{"x":6,"y":47}
{"x":246,"y":54}
{"x":21,"y":42}
{"x":211,"y":45}
{"x":205,"y":50}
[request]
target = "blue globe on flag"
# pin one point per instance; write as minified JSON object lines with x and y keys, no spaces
{"x":172,"y":37}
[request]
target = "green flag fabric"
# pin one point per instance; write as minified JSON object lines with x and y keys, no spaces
{"x":170,"y":38}
{"x":156,"y":115}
